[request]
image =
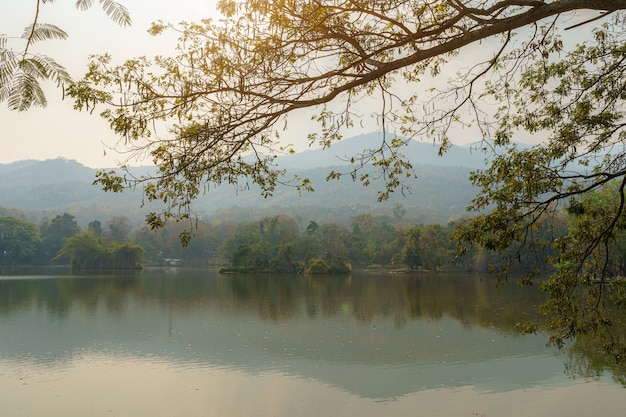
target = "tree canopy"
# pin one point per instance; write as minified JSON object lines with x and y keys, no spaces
{"x":18,"y":240}
{"x":88,"y":251}
{"x":214,"y":112}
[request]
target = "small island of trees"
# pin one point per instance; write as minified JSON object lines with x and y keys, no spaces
{"x":86,"y":250}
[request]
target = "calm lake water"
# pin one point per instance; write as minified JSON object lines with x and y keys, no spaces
{"x":181,"y":342}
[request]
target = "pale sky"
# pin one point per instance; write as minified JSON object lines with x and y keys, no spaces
{"x":61,"y":131}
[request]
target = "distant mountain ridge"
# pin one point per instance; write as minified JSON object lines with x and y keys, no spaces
{"x":418,"y":153}
{"x":440,"y":187}
{"x":50,"y":171}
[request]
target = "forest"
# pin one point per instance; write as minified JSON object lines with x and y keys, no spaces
{"x":335,"y":226}
{"x":552,"y":71}
{"x":277,"y":243}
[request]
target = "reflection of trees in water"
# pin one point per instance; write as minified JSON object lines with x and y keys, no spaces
{"x":587,"y":355}
{"x":399,"y":298}
{"x":269,"y":296}
{"x":469,"y":300}
{"x":58,"y":296}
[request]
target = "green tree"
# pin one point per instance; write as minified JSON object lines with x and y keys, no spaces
{"x":361,"y":227}
{"x":233,"y":83}
{"x":434,"y":245}
{"x":280,"y":229}
{"x":119,"y":229}
{"x":19,"y":240}
{"x":227,"y":92}
{"x":312,"y":228}
{"x":335,"y":244}
{"x":587,"y":292}
{"x":22,"y":70}
{"x":55,"y":232}
{"x":308,"y":245}
{"x":577,"y":103}
{"x":264,"y":245}
{"x":373,"y":239}
{"x":95,"y":227}
{"x":253,"y":257}
{"x":244,"y":234}
{"x":411,"y":254}
{"x":85,"y":250}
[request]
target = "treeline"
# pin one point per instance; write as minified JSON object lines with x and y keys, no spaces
{"x":278,"y":243}
{"x":61,"y":241}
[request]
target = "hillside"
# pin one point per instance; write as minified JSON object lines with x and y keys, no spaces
{"x":419,"y":153}
{"x":439,"y":189}
{"x":47,"y":188}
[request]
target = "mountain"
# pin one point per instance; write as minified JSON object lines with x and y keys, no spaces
{"x":38,"y":185}
{"x":439,"y":187}
{"x":52,"y":171}
{"x":55,"y":186}
{"x":418,"y":153}
{"x":444,"y":192}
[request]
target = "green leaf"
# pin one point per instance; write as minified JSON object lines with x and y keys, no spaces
{"x":8,"y":64}
{"x":117,"y":12}
{"x":54,"y":70}
{"x":83,"y":4}
{"x":25,"y":92}
{"x":42,"y":32}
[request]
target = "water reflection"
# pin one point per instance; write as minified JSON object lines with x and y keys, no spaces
{"x":379,"y":338}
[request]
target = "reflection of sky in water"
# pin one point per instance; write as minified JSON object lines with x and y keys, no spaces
{"x":102,"y":385}
{"x":220,"y":356}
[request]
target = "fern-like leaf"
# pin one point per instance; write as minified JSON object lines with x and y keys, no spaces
{"x":20,"y":80}
{"x":42,"y":32}
{"x":8,"y":63}
{"x":117,"y":12}
{"x":21,"y":74}
{"x":53,"y":70}
{"x":83,"y":4}
{"x":34,"y":68}
{"x":5,"y":86}
{"x":25,"y":93}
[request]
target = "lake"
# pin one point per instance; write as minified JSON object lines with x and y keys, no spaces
{"x":185,"y":342}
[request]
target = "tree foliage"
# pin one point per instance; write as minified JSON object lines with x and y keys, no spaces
{"x":577,"y":103}
{"x":55,"y":232}
{"x":227,"y":93}
{"x":19,"y":240}
{"x":88,"y":251}
{"x":214,"y":112}
{"x":22,"y":71}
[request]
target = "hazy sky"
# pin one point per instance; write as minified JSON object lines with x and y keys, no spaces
{"x":59,"y":130}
